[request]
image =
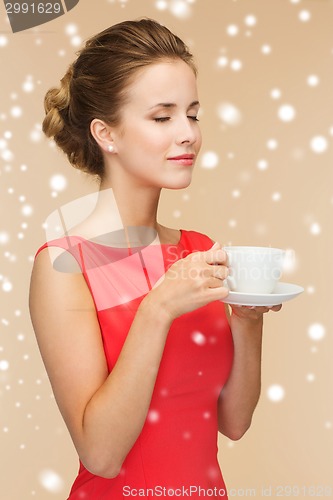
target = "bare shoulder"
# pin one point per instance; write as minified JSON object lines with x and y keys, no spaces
{"x":68,"y":335}
{"x":57,"y":272}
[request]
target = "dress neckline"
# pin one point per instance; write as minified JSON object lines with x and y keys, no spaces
{"x":122,"y":248}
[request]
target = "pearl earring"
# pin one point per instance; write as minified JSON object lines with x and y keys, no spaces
{"x":110,"y":148}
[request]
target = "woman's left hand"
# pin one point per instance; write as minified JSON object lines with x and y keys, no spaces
{"x":253,"y":312}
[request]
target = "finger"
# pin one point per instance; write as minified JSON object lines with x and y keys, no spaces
{"x":215,"y":283}
{"x":215,"y":256}
{"x":276,"y":308}
{"x":262,"y":309}
{"x":219,"y":292}
{"x":257,"y":309}
{"x":220,"y":271}
{"x":265,"y":309}
{"x":216,"y":246}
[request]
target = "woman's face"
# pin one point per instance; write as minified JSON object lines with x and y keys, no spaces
{"x":158,"y":139}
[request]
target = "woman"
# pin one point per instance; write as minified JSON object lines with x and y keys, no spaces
{"x":144,"y":359}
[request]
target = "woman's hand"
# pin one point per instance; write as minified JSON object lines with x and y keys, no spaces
{"x":253,"y":312}
{"x":191,"y":282}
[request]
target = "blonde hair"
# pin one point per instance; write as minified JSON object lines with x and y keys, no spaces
{"x":95,"y":85}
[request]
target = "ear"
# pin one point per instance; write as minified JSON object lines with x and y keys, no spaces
{"x":102,"y":133}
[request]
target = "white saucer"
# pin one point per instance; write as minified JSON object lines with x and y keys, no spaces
{"x":281,"y":293}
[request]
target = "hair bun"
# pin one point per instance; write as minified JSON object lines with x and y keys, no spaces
{"x":56,"y":103}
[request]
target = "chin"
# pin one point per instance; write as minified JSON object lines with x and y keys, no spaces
{"x":179,"y":183}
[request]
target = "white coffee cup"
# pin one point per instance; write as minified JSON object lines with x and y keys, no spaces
{"x":253,"y":269}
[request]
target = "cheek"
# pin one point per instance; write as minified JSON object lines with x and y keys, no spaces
{"x":150,"y":139}
{"x":155,"y":141}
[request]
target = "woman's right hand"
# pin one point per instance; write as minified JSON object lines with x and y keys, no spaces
{"x":191,"y":282}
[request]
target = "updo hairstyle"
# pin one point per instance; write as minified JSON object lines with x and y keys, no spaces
{"x":95,"y":85}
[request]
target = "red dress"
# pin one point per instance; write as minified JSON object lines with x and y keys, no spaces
{"x":176,"y":452}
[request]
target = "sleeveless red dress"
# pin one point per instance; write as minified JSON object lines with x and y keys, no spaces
{"x":176,"y":452}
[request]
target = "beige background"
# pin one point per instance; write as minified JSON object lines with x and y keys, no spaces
{"x":268,"y":185}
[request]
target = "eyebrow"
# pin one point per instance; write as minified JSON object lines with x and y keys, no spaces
{"x":173,"y":105}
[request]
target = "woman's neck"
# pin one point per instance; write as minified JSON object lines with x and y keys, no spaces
{"x":134,"y":207}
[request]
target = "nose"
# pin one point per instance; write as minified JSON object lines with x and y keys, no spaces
{"x":188,"y":132}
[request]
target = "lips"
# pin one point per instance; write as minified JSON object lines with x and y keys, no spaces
{"x":183,"y":157}
{"x":186,"y":160}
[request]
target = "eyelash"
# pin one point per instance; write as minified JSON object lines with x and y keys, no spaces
{"x":166,"y":118}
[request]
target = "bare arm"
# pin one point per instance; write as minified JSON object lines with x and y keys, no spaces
{"x":240,"y":395}
{"x":105,"y":412}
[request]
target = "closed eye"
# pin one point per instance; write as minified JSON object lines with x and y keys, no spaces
{"x":162,"y":119}
{"x":166,"y":118}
